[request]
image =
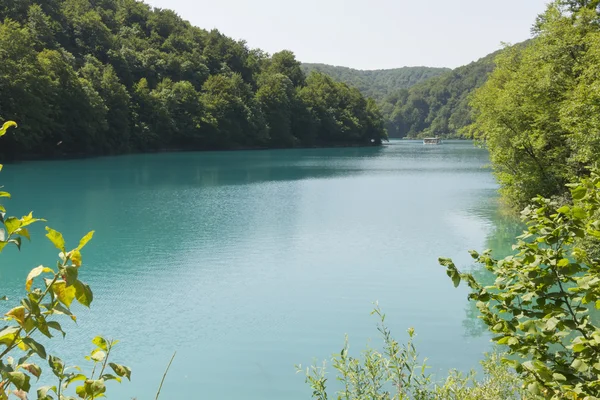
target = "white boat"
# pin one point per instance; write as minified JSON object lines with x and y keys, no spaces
{"x":434,"y":140}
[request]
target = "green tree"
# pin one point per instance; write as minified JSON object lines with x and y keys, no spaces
{"x":276,"y":96}
{"x":285,"y":63}
{"x":112,"y":76}
{"x":233,"y":115}
{"x":535,"y":113}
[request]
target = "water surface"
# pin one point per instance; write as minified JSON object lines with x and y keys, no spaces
{"x":247,"y":263}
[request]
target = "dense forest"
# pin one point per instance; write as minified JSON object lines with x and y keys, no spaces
{"x":418,"y":101}
{"x":84,"y":77}
{"x":438,"y":106}
{"x":539,"y":111}
{"x":377,"y":84}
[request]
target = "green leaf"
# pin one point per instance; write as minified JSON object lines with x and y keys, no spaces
{"x":20,"y":380}
{"x":18,"y":314}
{"x":56,"y":238}
{"x":563,"y":210}
{"x":456,"y":280}
{"x":12,"y":224}
{"x":100,"y":342}
{"x":8,"y":334}
{"x":16,"y":241}
{"x":42,"y":392}
{"x":83,"y":293}
{"x":121,"y":370}
{"x":57,"y":366}
{"x":23,"y":232}
{"x":563,"y":262}
{"x":534,"y":388}
{"x":551,"y":324}
{"x":80,"y":390}
{"x":35,"y":346}
{"x":74,"y":378}
{"x":559,"y":377}
{"x":579,"y":347}
{"x":598,"y":305}
{"x":579,"y":213}
{"x":580,"y":366}
{"x":60,"y":309}
{"x":56,"y":326}
{"x":85,"y":240}
{"x":70,"y":275}
{"x":578,"y":193}
{"x":94,"y":387}
{"x":110,"y":377}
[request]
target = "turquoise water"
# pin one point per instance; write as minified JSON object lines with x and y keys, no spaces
{"x":247,"y":263}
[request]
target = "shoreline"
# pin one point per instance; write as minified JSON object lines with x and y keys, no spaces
{"x":65,"y":157}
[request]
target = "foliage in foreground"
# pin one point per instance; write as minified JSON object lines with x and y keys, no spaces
{"x":543,"y":304}
{"x":38,"y":313}
{"x":396,"y":374}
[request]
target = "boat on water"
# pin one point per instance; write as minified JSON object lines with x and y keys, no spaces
{"x":434,"y":140}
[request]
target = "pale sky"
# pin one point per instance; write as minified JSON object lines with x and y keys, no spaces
{"x":368,"y":34}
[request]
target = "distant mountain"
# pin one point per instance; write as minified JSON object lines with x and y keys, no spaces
{"x":438,"y":106}
{"x":418,"y":101}
{"x":377,"y":83}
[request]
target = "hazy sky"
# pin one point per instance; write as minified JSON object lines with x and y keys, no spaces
{"x":368,"y":34}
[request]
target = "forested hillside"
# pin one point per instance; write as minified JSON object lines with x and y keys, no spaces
{"x":377,"y":83}
{"x":438,"y":106}
{"x":539,"y":111}
{"x":418,"y":101}
{"x":110,"y":76}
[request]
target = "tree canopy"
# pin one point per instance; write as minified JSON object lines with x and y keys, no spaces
{"x":101,"y":77}
{"x":539,"y":111}
{"x":438,"y":106}
{"x":418,"y":101}
{"x":377,"y":83}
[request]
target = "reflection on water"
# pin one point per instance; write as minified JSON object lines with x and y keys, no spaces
{"x":503,"y":229}
{"x":248,"y":263}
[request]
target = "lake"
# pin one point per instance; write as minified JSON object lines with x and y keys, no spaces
{"x":247,"y":263}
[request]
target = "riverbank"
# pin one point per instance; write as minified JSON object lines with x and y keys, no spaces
{"x":81,"y":156}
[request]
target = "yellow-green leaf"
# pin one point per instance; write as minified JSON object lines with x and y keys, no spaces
{"x":64,"y":293}
{"x":84,"y":240}
{"x":56,"y":238}
{"x":76,"y":258}
{"x":18,"y":314}
{"x":101,"y":343}
{"x":12,"y":224}
{"x":8,"y":335}
{"x":563,"y":262}
{"x":6,"y":125}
